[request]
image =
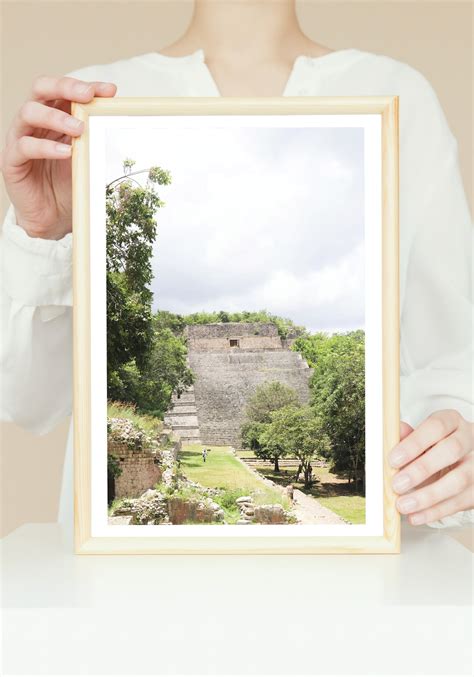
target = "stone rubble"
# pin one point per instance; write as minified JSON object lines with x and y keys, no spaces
{"x":272,"y":513}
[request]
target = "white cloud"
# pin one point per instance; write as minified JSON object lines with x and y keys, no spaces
{"x":257,"y":218}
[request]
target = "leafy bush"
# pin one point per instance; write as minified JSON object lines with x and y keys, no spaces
{"x":228,"y":497}
{"x":227,"y":500}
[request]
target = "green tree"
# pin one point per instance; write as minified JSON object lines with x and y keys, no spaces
{"x":338,"y":395}
{"x":297,"y":432}
{"x":129,"y":328}
{"x":168,"y":365}
{"x":150,"y":388}
{"x":164,"y":319}
{"x":268,"y":398}
{"x":271,"y":442}
{"x":250,"y":433}
{"x":131,"y":231}
{"x":311,"y":346}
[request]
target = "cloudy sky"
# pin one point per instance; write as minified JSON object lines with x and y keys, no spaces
{"x":256,"y":218}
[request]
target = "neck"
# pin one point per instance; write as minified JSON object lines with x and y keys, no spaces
{"x":258,"y":29}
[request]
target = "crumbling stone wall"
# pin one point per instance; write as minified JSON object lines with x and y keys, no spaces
{"x":182,"y":511}
{"x":141,"y":469}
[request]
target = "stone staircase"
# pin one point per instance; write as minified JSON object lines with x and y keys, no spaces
{"x":182,"y":417}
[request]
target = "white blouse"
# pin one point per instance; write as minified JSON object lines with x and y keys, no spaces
{"x":435,"y":247}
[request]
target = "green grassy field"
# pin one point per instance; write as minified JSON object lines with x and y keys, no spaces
{"x":222,"y":470}
{"x":350,"y":508}
{"x":245,"y":453}
{"x":330,"y":490}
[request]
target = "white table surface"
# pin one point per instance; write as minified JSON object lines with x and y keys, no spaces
{"x":249,"y":615}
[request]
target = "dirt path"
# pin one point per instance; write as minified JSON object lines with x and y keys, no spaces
{"x":310,"y":511}
{"x":307,"y":509}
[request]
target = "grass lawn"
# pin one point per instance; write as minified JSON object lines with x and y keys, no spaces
{"x":330,"y":490}
{"x":222,"y":470}
{"x":351,"y":508}
{"x":245,"y":453}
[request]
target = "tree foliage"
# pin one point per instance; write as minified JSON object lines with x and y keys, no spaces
{"x":146,"y":361}
{"x":268,"y":398}
{"x":338,"y":396}
{"x":152,"y":386}
{"x":297,"y":432}
{"x":131,"y":232}
{"x":285,"y":326}
{"x":164,"y":319}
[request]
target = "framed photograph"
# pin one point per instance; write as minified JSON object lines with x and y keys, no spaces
{"x":236,"y":325}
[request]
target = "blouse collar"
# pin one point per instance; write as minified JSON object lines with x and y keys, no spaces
{"x":302,"y":66}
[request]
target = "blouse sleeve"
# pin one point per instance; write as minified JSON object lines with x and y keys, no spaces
{"x":36,"y":315}
{"x":36,"y":337}
{"x":436,"y":264}
{"x":436,"y":346}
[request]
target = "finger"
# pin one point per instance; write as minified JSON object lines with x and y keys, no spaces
{"x":31,"y":148}
{"x":439,"y":457}
{"x":35,"y":115}
{"x":432,"y":430}
{"x":463,"y":501}
{"x":47,"y":88}
{"x":405,"y":429}
{"x":453,"y":483}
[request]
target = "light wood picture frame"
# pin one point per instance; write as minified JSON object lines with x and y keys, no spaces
{"x":380,"y":534}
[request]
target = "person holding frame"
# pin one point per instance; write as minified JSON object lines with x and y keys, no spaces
{"x":219,"y":56}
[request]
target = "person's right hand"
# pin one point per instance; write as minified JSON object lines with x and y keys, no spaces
{"x":36,"y":159}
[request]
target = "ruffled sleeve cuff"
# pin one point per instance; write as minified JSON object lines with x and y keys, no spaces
{"x":459,"y":519}
{"x":36,"y":272}
{"x":445,"y":386}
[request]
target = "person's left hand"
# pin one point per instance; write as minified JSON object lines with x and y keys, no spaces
{"x":437,"y":467}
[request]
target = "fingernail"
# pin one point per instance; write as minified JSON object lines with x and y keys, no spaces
{"x":417,"y":519}
{"x":102,"y":86}
{"x":407,"y":504}
{"x":401,"y":483}
{"x":73,"y":123}
{"x":397,"y":458}
{"x":82,"y":89}
{"x":63,"y":148}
